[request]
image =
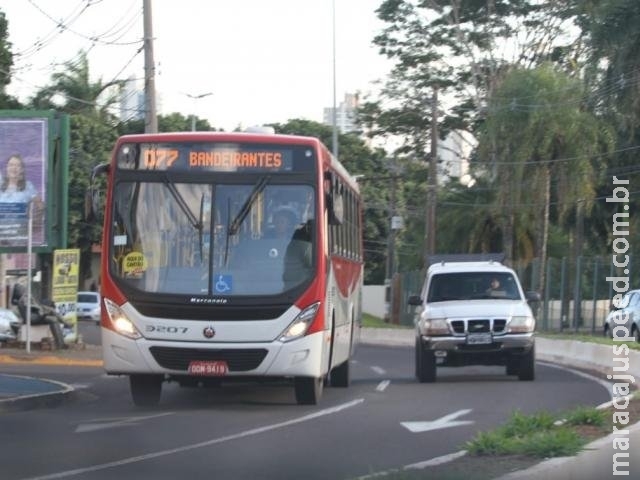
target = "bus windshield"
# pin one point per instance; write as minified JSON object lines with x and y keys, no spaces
{"x":212,"y":239}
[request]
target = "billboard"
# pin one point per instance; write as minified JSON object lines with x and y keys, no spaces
{"x":24,"y":157}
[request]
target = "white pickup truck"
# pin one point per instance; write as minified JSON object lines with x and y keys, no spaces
{"x":474,"y":313}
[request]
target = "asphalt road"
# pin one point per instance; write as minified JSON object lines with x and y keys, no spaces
{"x":385,"y":420}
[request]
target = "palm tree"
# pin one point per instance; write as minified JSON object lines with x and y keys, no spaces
{"x":543,"y":148}
{"x":79,"y":94}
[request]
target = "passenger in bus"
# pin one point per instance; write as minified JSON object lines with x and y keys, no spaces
{"x":298,"y":256}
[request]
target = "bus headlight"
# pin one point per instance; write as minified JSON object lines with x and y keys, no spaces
{"x":119,"y":320}
{"x":300,"y":324}
{"x":524,"y":324}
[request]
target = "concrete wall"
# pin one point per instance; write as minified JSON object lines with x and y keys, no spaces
{"x":373,"y":300}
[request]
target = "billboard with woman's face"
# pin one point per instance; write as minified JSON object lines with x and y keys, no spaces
{"x":23,"y":178}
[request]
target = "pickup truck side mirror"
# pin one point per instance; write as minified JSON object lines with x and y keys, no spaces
{"x":533,"y":297}
{"x":414,"y":300}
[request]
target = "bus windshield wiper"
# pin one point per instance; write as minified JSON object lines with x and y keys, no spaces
{"x":234,"y":226}
{"x":193,"y":220}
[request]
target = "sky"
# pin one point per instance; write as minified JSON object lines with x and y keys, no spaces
{"x":254,"y":61}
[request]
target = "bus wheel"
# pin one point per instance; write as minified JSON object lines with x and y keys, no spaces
{"x":308,"y":390}
{"x":145,"y":389}
{"x":340,"y":375}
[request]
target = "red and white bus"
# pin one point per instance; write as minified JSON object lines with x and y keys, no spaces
{"x":199,"y":288}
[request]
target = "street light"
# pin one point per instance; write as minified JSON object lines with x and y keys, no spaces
{"x":194,"y":98}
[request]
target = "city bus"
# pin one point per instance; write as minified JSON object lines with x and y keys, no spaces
{"x":197,"y":285}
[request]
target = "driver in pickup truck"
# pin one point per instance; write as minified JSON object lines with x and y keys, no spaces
{"x":495,"y":289}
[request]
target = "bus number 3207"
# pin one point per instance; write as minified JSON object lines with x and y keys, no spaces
{"x":165,"y":329}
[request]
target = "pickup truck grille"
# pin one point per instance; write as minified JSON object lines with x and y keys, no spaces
{"x":478,"y":325}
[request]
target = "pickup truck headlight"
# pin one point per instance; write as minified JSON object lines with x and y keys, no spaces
{"x":436,"y":326}
{"x":523,"y":324}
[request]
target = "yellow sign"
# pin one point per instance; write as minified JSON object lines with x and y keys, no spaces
{"x":66,"y":265}
{"x":64,"y":291}
{"x":134,"y":264}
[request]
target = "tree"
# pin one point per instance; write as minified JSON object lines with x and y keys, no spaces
{"x":72,"y":86}
{"x":174,"y":122}
{"x":370,"y":165}
{"x":534,"y":121}
{"x":457,"y":48}
{"x":93,"y":134}
{"x":6,"y":63}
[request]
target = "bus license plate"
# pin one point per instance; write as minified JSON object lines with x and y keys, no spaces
{"x":208,"y":369}
{"x":484,"y":338}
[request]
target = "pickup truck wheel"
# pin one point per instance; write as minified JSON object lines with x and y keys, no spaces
{"x":425,"y":364}
{"x":512,"y":366}
{"x":527,"y":366}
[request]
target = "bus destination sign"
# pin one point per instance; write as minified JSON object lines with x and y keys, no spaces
{"x":213,"y":158}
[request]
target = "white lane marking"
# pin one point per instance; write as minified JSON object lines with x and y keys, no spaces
{"x":435,"y":461}
{"x":379,"y":370}
{"x":214,"y":441}
{"x":418,"y":466}
{"x":382,"y":386}
{"x":447,"y":421}
{"x":608,"y":386}
{"x":104,"y":423}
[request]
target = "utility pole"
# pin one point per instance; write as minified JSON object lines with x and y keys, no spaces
{"x":334,"y":136}
{"x":391,"y":248}
{"x":432,"y":185}
{"x":151,"y":118}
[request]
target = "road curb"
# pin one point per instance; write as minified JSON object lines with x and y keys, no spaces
{"x":54,"y":398}
{"x":574,"y":467}
{"x":48,"y":360}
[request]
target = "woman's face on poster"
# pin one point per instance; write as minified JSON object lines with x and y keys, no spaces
{"x":14,"y":168}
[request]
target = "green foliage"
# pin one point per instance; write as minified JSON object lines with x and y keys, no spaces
{"x":6,"y":56}
{"x":358,"y":159}
{"x":587,"y":416}
{"x":174,"y":122}
{"x":534,"y":435}
{"x":369,"y":321}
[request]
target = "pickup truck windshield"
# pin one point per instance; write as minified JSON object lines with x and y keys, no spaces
{"x":473,"y":285}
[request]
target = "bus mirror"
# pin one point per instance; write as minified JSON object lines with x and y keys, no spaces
{"x":92,"y":198}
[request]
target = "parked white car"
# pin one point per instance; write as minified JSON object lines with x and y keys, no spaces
{"x":88,"y":306}
{"x":9,"y":325}
{"x":625,"y":314}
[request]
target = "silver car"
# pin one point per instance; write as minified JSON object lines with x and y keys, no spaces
{"x":9,"y":325}
{"x":625,"y":314}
